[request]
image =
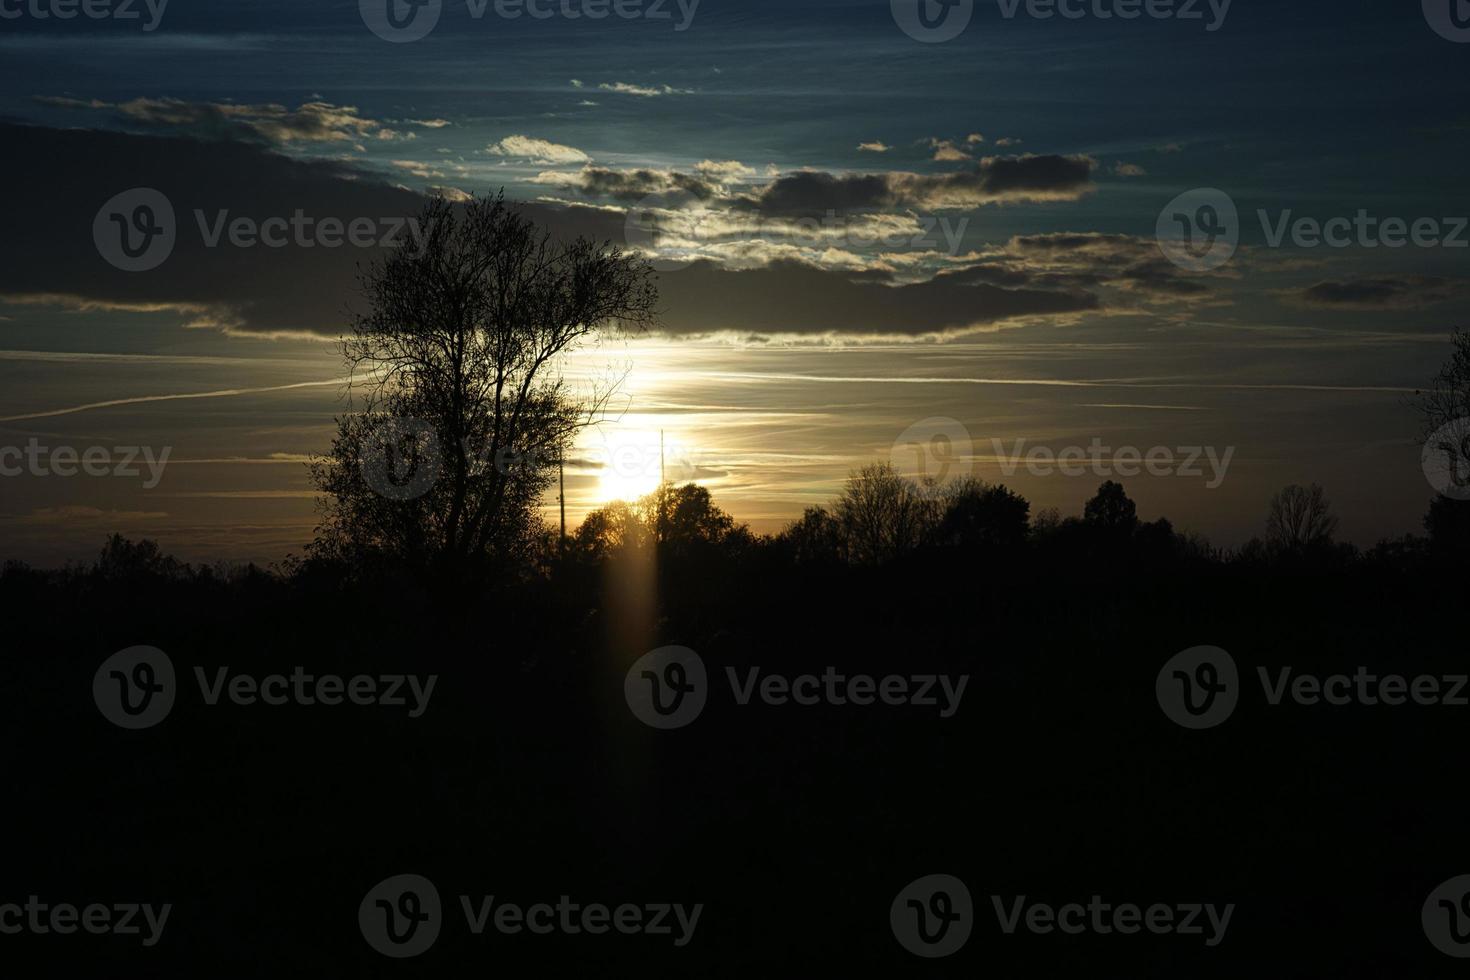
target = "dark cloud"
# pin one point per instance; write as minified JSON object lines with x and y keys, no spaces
{"x":665,"y":187}
{"x":1381,"y":293}
{"x":311,"y":122}
{"x":67,"y":175}
{"x":1085,"y":260}
{"x":992,"y":180}
{"x":795,"y":298}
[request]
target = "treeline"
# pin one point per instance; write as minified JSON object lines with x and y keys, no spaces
{"x":880,"y":518}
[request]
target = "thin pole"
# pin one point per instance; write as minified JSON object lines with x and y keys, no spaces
{"x":561,"y":475}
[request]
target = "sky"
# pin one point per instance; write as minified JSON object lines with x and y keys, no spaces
{"x":947,"y":247}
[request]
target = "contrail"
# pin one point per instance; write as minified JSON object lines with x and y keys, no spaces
{"x":1044,"y":382}
{"x":222,"y":393}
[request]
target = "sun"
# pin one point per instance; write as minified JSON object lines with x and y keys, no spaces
{"x":631,"y":464}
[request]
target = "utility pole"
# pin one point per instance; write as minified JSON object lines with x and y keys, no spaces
{"x":561,"y":475}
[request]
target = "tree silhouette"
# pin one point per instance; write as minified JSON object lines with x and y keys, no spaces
{"x":685,"y":518}
{"x":980,"y":515}
{"x":1447,"y":399}
{"x":882,"y":514}
{"x":1300,"y":519}
{"x":458,"y":361}
{"x":1111,"y":509}
{"x":1444,"y":409}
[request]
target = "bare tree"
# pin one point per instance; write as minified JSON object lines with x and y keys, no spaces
{"x":883,"y":514}
{"x":458,"y":362}
{"x":1300,"y":518}
{"x":1445,"y":412}
{"x":1447,"y":400}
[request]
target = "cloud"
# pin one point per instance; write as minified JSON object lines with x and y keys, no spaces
{"x":667,"y":187}
{"x":643,"y":91}
{"x":794,"y":298}
{"x":945,"y":151}
{"x":992,"y":180}
{"x":415,"y":167}
{"x":1007,"y":141}
{"x":69,"y":515}
{"x":449,"y":193}
{"x":723,"y":169}
{"x":1121,"y":169}
{"x":1080,"y":260}
{"x":876,"y":146}
{"x":430,"y":123}
{"x":1379,"y":293}
{"x":811,"y":287}
{"x":311,"y":122}
{"x":538,"y":150}
{"x":70,"y":173}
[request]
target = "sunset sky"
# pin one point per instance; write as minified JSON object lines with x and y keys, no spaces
{"x":1016,"y":174}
